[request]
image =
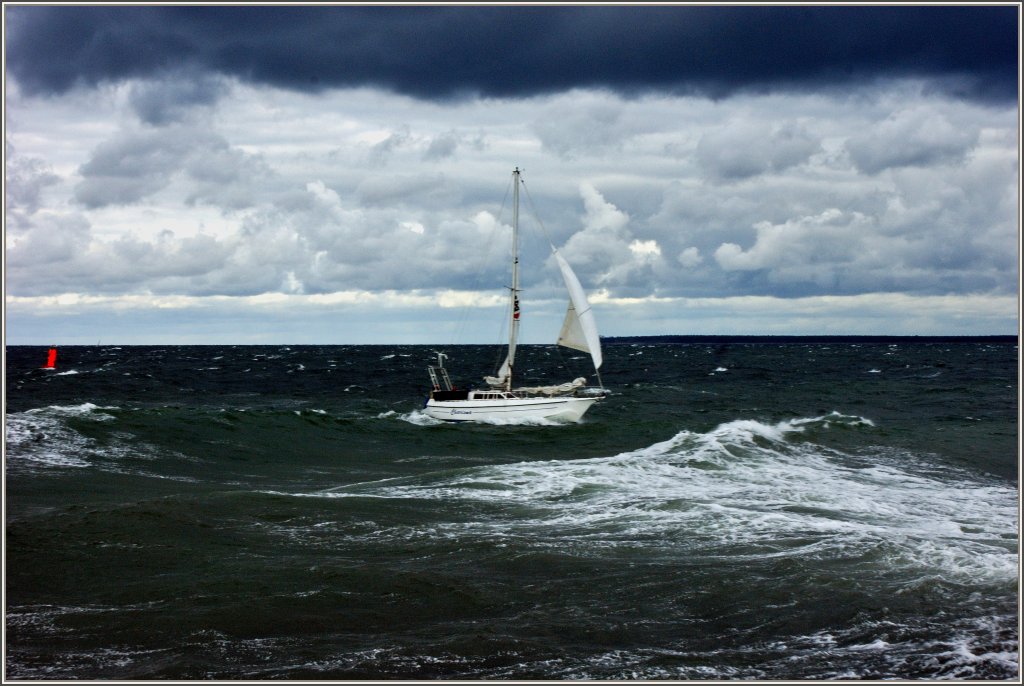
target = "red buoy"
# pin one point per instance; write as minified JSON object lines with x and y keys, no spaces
{"x":51,"y":358}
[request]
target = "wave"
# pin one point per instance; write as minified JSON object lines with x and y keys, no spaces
{"x":417,"y":417}
{"x":83,"y":410}
{"x":36,"y":439}
{"x":420,"y":418}
{"x":745,"y":489}
{"x":976,"y":648}
{"x":40,"y":437}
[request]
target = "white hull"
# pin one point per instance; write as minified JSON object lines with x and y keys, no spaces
{"x":509,"y":409}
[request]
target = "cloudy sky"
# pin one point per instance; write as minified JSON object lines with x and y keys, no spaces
{"x":333,"y":174}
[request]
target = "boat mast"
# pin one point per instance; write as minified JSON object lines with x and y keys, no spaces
{"x":514,"y":325}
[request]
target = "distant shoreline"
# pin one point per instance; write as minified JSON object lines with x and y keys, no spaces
{"x":714,"y":339}
{"x":783,"y":340}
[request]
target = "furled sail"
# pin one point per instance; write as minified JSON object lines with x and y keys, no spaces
{"x":501,"y":379}
{"x":579,"y":330}
{"x":561,"y":389}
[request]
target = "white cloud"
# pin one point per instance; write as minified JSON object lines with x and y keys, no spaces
{"x":918,"y":136}
{"x":745,"y":147}
{"x":690,"y":257}
{"x":256,"y":190}
{"x":442,"y":146}
{"x":26,"y":181}
{"x":354,"y":317}
{"x":292,"y":284}
{"x":605,"y":250}
{"x":869,"y":314}
{"x":579,"y":125}
{"x":645,"y":250}
{"x":327,"y":197}
{"x":830,"y":238}
{"x":51,"y":238}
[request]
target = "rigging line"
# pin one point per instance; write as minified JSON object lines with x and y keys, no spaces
{"x":502,"y":336}
{"x":536,"y":217}
{"x":463,"y":316}
{"x":565,"y":363}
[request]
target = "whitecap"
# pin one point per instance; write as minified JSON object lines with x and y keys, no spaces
{"x":417,"y":417}
{"x":34,"y":439}
{"x":84,"y":410}
{"x":522,"y":421}
{"x":766,"y":489}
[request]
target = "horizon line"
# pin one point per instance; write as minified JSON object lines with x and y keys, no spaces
{"x":610,"y":340}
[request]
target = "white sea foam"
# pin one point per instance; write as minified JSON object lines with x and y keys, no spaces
{"x":36,"y":439}
{"x":972,"y":649}
{"x":42,"y":438}
{"x":417,"y":417}
{"x":522,"y":421}
{"x":84,"y":410}
{"x":308,"y":411}
{"x":747,"y":488}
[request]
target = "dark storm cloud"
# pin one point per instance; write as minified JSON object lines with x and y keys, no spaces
{"x":444,"y":52}
{"x":166,"y":101}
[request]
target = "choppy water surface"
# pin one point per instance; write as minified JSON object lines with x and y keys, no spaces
{"x":734,"y":510}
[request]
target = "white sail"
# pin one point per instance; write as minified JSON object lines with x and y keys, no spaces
{"x":571,"y":335}
{"x":579,"y":329}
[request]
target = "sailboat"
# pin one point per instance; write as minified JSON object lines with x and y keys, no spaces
{"x":499,"y":401}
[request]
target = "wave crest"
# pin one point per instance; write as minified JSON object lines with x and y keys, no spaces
{"x":746,"y":488}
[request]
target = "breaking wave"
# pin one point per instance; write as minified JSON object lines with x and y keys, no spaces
{"x":744,"y":489}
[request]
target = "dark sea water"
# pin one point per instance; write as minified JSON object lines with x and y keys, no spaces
{"x":735,"y":509}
